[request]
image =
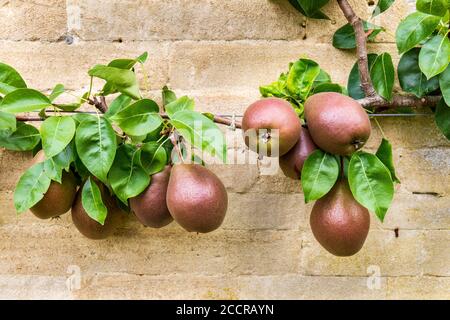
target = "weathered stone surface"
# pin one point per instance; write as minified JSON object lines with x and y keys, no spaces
{"x":425,"y":170}
{"x":437,"y":253}
{"x":417,"y":211}
{"x":419,"y":288}
{"x":24,"y":287}
{"x":237,"y":177}
{"x":186,"y":20}
{"x":393,"y":256}
{"x":251,"y":64}
{"x":49,"y":247}
{"x":219,"y":53}
{"x":231,"y":288}
{"x":43,"y":20}
{"x":403,"y":132}
{"x":12,"y":165}
{"x":69,"y":64}
{"x":266,"y":211}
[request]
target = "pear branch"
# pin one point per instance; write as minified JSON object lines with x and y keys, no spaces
{"x":373,"y":99}
{"x":102,"y":106}
{"x":361,"y":47}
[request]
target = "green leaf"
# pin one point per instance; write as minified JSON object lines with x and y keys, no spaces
{"x":183,"y":103}
{"x":414,"y":29}
{"x":128,"y":63}
{"x":31,"y":188}
{"x":81,"y":169}
{"x":25,"y":138}
{"x":444,"y":81}
{"x":442,"y":117}
{"x":53,"y":171}
{"x":329,"y":87}
{"x":371,"y":183}
{"x":142,"y":58}
{"x":382,"y":6}
{"x":123,"y":80}
{"x":81,"y":117}
{"x":153,"y":157}
{"x":69,"y":107}
{"x":7,"y":122}
{"x":140,"y":118}
{"x":128,"y":179}
{"x":301,"y":78}
{"x":91,"y":199}
{"x":9,"y":77}
{"x":434,"y":7}
{"x":200,"y":132}
{"x":6,"y":88}
{"x":310,"y":8}
{"x":344,"y":37}
{"x":118,"y":104}
{"x":66,"y":157}
{"x":322,"y":78}
{"x":275,"y":89}
{"x":354,"y":81}
{"x":411,"y":77}
{"x":384,"y":153}
{"x":24,"y":100}
{"x":56,"y":92}
{"x":168,"y":96}
{"x":319,"y":174}
{"x":56,"y":133}
{"x":383,"y":75}
{"x":95,"y":141}
{"x":434,"y":56}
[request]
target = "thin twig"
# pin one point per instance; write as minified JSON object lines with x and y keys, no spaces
{"x":100,"y":105}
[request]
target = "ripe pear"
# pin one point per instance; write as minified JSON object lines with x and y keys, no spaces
{"x":196,"y":198}
{"x":150,"y":207}
{"x":89,"y":227}
{"x":338,"y":124}
{"x":292,"y":162}
{"x":339,"y":223}
{"x":271,"y":127}
{"x":59,"y":197}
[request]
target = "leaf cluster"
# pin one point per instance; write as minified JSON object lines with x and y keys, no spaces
{"x":121,"y":148}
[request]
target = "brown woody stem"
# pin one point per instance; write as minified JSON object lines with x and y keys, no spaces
{"x":361,"y":47}
{"x":373,"y":99}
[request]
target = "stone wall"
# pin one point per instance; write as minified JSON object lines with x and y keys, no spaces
{"x":218,"y":52}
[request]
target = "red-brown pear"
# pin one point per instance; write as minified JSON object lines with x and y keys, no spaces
{"x":292,"y":162}
{"x":196,"y":198}
{"x":339,"y":223}
{"x":271,"y":127}
{"x":150,"y":207}
{"x":89,"y":227}
{"x":59,"y":197}
{"x":338,"y":124}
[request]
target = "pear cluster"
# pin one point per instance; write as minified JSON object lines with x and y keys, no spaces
{"x":190,"y":194}
{"x":63,"y":197}
{"x":336,"y":124}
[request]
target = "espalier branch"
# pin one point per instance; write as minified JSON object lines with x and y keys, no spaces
{"x":133,"y":155}
{"x":318,"y":128}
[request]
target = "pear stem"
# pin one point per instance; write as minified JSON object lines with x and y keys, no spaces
{"x":381,"y":129}
{"x":177,"y":147}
